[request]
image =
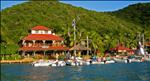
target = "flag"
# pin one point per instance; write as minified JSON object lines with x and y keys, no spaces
{"x":74,"y":23}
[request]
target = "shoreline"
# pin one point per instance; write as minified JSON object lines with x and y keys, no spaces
{"x":26,"y":60}
{"x":14,"y":61}
{"x":31,"y":60}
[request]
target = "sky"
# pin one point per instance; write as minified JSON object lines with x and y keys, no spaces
{"x":90,"y":5}
{"x":103,"y":5}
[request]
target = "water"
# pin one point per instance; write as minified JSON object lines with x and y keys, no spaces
{"x":107,"y":72}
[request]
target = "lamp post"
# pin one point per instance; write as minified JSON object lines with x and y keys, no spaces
{"x":5,"y":48}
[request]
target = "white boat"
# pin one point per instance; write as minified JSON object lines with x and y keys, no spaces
{"x":147,"y":59}
{"x":53,"y":65}
{"x":80,"y":63}
{"x":41,"y":63}
{"x":96,"y":62}
{"x":61,"y":63}
{"x":110,"y":61}
{"x":118,"y":60}
{"x":86,"y":63}
{"x":134,"y":60}
{"x":73,"y":64}
{"x":77,"y":63}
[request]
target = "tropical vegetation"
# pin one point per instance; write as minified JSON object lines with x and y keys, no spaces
{"x":104,"y":29}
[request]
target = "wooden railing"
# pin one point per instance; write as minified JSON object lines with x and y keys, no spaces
{"x":43,"y":45}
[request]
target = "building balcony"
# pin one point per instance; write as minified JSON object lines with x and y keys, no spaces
{"x":42,"y":45}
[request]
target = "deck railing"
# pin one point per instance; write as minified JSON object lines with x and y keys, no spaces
{"x":42,"y":45}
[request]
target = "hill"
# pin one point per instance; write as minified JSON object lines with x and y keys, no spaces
{"x":137,"y":14}
{"x":103,"y":28}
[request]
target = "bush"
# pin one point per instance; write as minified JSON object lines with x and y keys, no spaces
{"x":86,"y":57}
{"x":9,"y":49}
{"x":38,"y":56}
{"x":61,"y":57}
{"x":10,"y":57}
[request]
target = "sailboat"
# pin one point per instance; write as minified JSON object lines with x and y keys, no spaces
{"x":141,"y":49}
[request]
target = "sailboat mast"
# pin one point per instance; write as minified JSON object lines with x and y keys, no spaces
{"x":143,"y":39}
{"x":74,"y":27}
{"x":87,"y":44}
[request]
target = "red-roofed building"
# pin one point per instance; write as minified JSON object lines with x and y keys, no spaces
{"x":121,"y":49}
{"x":147,"y":46}
{"x":40,"y":28}
{"x":41,"y":41}
{"x":43,"y":37}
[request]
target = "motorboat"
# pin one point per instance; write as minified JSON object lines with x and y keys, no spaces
{"x":86,"y":63}
{"x":147,"y":59}
{"x":109,"y":61}
{"x":80,"y":63}
{"x":58,"y":63}
{"x":41,"y":63}
{"x":61,"y":63}
{"x":119,"y":60}
{"x":134,"y":60}
{"x":53,"y":65}
{"x":96,"y":62}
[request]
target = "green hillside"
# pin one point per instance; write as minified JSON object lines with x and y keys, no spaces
{"x":137,"y":14}
{"x":105,"y":29}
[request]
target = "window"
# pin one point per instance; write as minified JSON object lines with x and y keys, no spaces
{"x":36,"y":31}
{"x":46,"y":32}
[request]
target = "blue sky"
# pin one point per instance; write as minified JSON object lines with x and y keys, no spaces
{"x":91,"y":5}
{"x":5,"y":4}
{"x":103,"y":5}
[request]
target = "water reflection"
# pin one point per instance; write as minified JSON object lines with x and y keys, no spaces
{"x":109,"y":72}
{"x":37,"y":74}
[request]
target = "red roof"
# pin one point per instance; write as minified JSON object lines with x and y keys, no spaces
{"x":42,"y":37}
{"x":120,"y":47}
{"x":40,"y":48}
{"x":147,"y":43}
{"x":40,"y":28}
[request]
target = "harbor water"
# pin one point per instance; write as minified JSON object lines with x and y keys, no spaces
{"x":101,"y":72}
